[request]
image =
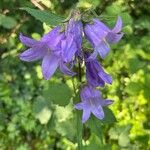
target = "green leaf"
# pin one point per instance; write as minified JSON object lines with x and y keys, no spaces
{"x":64,"y":113}
{"x":65,"y":121}
{"x":120,"y":133}
{"x":95,"y":125}
{"x":95,"y":144}
{"x":7,"y":22}
{"x":44,"y":16}
{"x":42,"y":110}
{"x":66,"y":128}
{"x":113,"y":133}
{"x":109,"y":116}
{"x":134,"y":88}
{"x":135,"y":64}
{"x":59,"y":93}
{"x":124,"y":137}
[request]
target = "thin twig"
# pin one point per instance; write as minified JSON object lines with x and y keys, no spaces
{"x":34,"y":2}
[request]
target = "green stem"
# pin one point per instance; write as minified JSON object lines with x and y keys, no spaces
{"x":79,"y":132}
{"x":79,"y":123}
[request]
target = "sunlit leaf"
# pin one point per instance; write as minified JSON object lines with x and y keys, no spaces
{"x":42,"y":110}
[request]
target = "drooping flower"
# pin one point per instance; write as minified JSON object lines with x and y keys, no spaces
{"x":47,"y":48}
{"x":92,"y":102}
{"x":100,"y":36}
{"x":75,"y":28}
{"x":95,"y":74}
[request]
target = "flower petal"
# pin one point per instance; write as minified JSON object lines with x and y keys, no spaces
{"x":118,"y":25}
{"x":69,"y":48}
{"x":27,"y":41}
{"x":51,"y":34}
{"x":103,"y":48}
{"x":105,"y":77}
{"x":94,"y":34}
{"x":49,"y":65}
{"x":79,"y":106}
{"x":98,"y":112}
{"x":106,"y":102}
{"x":86,"y":115}
{"x":64,"y":69}
{"x":32,"y":54}
{"x":101,"y":25}
{"x":85,"y":93}
{"x":93,"y":56}
{"x":113,"y":37}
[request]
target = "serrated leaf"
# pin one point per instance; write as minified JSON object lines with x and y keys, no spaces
{"x":58,"y":93}
{"x":44,"y":16}
{"x":7,"y":22}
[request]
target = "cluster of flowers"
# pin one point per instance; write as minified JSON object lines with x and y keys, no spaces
{"x":61,"y":49}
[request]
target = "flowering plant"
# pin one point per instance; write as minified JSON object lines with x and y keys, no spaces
{"x":63,"y":48}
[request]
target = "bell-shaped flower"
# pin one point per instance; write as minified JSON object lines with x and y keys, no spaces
{"x":92,"y":102}
{"x":47,"y":48}
{"x":100,"y":36}
{"x":74,"y":33}
{"x":95,"y":74}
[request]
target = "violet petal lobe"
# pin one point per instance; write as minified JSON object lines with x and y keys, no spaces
{"x":107,"y":102}
{"x":32,"y":54}
{"x":64,"y":69}
{"x":85,"y":93}
{"x":113,"y":37}
{"x":118,"y":25}
{"x":27,"y":41}
{"x":93,"y":34}
{"x":49,"y":65}
{"x":98,"y":112}
{"x":79,"y":106}
{"x":102,"y":74}
{"x":105,"y":77}
{"x":103,"y":49}
{"x":86,"y":114}
{"x":51,"y":34}
{"x":100,"y":25}
{"x":93,"y":56}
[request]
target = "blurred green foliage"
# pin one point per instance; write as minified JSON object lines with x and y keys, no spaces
{"x":32,"y":111}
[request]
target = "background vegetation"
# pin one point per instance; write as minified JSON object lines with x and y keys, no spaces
{"x":29,"y":116}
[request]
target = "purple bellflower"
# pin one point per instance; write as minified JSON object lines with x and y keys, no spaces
{"x":92,"y":102}
{"x":100,"y":36}
{"x":47,"y":48}
{"x":95,"y":74}
{"x":75,"y":28}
